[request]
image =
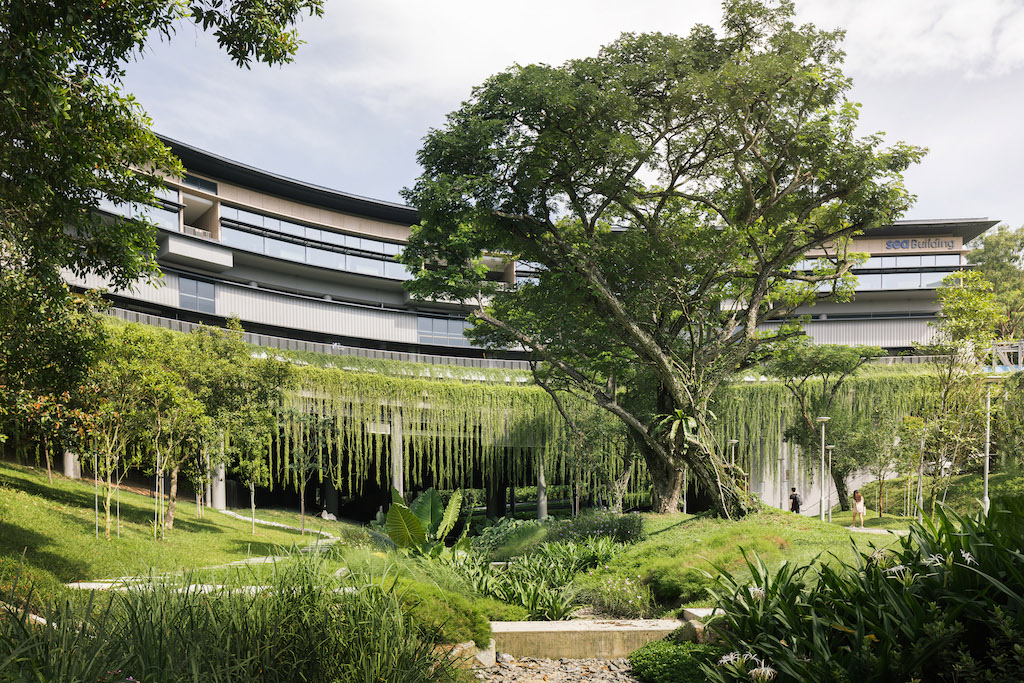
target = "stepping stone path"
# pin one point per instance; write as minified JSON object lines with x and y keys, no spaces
{"x":530,"y":670}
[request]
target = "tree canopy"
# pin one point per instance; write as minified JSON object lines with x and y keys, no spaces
{"x":69,"y":135}
{"x":999,"y":256}
{"x":660,"y":195}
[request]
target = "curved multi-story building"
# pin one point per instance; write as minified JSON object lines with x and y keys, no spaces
{"x":304,"y":266}
{"x":299,"y":265}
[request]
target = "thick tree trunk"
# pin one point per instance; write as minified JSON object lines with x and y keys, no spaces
{"x":666,"y":484}
{"x":171,"y":504}
{"x":667,"y":481}
{"x":842,"y":491}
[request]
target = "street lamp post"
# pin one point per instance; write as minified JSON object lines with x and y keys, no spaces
{"x":821,"y":470}
{"x":989,"y":381}
{"x":829,"y":449}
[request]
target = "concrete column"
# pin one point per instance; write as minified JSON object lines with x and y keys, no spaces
{"x":542,"y":490}
{"x":397,"y":453}
{"x":72,"y":465}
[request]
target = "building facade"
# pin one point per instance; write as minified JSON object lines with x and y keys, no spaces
{"x":310,"y":267}
{"x":895,"y":296}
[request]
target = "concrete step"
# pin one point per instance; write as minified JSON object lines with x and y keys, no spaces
{"x":579,"y":638}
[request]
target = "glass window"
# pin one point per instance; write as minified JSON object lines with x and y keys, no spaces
{"x":908,"y":261}
{"x":423,"y":325}
{"x":928,"y":260}
{"x":241,"y":239}
{"x":901,"y":281}
{"x":932,"y":280}
{"x":325,"y":259}
{"x":873,"y":262}
{"x":273,"y":224}
{"x":199,"y":183}
{"x":947,"y":259}
{"x":197,"y":295}
{"x":164,"y":218}
{"x":865,"y":282}
{"x":396,"y":271}
{"x":229,"y":212}
{"x":250,"y":218}
{"x":168,"y":193}
{"x":285,"y":250}
{"x":366,"y":266}
{"x":105,"y":204}
{"x":888,"y":261}
{"x":314,"y":234}
{"x":390,"y":249}
{"x":290,"y":228}
{"x":335,"y":238}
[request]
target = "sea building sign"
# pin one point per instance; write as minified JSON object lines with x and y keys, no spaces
{"x":921,"y":243}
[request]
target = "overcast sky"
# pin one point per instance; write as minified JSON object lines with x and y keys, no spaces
{"x":374,"y":77}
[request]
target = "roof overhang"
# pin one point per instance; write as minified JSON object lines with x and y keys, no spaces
{"x":218,"y":168}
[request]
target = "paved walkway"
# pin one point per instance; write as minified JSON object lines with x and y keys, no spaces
{"x":877,"y":532}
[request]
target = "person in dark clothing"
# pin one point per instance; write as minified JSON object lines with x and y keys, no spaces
{"x":795,"y":501}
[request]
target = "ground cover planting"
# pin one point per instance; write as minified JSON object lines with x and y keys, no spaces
{"x":305,"y":623}
{"x":944,"y":604}
{"x":599,"y":564}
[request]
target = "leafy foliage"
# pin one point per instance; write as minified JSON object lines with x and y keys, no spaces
{"x":628,"y":528}
{"x":663,"y":661}
{"x":49,"y":340}
{"x":69,"y":135}
{"x":615,"y":177}
{"x":299,"y":627}
{"x":422,"y":526}
{"x":929,"y":609}
{"x":997,"y":256}
{"x":539,"y":581}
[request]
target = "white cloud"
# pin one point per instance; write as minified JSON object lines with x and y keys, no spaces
{"x":373,"y":77}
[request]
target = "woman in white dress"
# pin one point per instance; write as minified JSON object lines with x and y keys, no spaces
{"x":859,"y":509}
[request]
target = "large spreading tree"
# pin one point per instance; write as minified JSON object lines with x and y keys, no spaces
{"x":663,"y":193}
{"x":70,"y":135}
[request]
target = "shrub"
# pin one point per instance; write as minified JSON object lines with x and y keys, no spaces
{"x":627,"y":528}
{"x":943,"y":605}
{"x":504,"y":532}
{"x":662,"y":661}
{"x":537,"y":582}
{"x":298,"y":628}
{"x":673,"y":583}
{"x":618,"y":596}
{"x":441,"y":617}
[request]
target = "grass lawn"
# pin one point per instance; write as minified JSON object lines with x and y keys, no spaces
{"x":963,"y":494}
{"x":871,"y":519}
{"x":51,"y":530}
{"x":679,"y":549}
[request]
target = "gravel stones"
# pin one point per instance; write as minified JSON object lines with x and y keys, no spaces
{"x":531,"y":670}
